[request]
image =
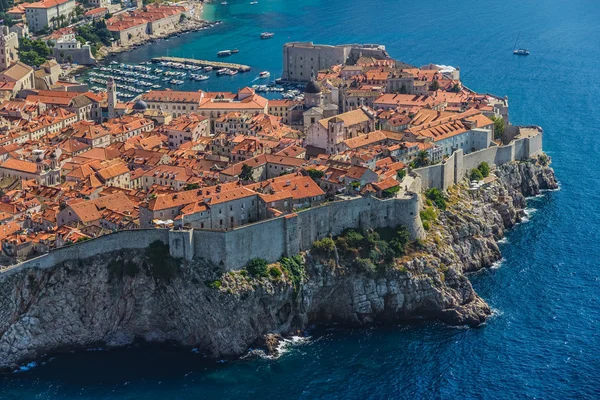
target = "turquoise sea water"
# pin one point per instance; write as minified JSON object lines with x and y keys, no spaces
{"x":543,"y":341}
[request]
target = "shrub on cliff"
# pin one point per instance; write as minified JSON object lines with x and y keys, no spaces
{"x":365,"y":266}
{"x":216,"y":284}
{"x":294,"y":270}
{"x":257,"y":267}
{"x":275,"y":272}
{"x":428,"y":214}
{"x":484,"y":168}
{"x":476,"y":175}
{"x":437,"y":197}
{"x":324,"y":246}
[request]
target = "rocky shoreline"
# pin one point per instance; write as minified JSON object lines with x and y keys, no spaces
{"x":116,"y":299}
{"x":189,"y":27}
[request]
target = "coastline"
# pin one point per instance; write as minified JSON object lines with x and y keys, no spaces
{"x":243,"y":312}
{"x":190,"y":26}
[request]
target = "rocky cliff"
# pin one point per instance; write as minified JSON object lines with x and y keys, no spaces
{"x":117,"y":298}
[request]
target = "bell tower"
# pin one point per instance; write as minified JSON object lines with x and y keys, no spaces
{"x":111,"y":90}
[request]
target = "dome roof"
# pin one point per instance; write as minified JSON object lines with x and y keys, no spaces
{"x":312,"y":88}
{"x":140,"y":105}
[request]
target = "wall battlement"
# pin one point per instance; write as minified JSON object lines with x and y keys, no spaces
{"x":456,"y":167}
{"x":291,"y":234}
{"x":270,"y":239}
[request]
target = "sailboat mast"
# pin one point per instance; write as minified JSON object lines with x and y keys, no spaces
{"x":516,"y":41}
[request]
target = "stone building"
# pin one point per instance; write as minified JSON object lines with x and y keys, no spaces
{"x":9,"y":42}
{"x":47,"y":12}
{"x":300,"y":59}
{"x":327,"y":134}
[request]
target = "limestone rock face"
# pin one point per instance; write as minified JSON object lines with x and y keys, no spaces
{"x":115,"y":299}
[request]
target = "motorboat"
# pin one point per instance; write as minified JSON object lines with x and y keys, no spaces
{"x":521,"y":52}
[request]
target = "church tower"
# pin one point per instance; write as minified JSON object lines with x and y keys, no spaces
{"x":111,"y":90}
{"x":312,"y":93}
{"x":8,"y":47}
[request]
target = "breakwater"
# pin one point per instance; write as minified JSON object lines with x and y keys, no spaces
{"x":203,"y":63}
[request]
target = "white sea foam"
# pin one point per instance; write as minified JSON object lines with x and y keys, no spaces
{"x":26,"y":367}
{"x":529,"y":211}
{"x":551,"y":190}
{"x":504,"y":240}
{"x":498,"y":264}
{"x":284,"y":346}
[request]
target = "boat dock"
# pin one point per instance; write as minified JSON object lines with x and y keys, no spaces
{"x":203,"y":63}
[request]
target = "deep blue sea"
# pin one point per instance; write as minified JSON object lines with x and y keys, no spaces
{"x":543,"y":341}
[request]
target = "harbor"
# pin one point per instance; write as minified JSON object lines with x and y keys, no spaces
{"x":134,"y":80}
{"x":202,"y":63}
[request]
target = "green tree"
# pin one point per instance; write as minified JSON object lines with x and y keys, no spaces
{"x":246,"y":174}
{"x":324,"y":246}
{"x":8,"y":21}
{"x":257,"y":267}
{"x":401,"y":174}
{"x":476,"y":175}
{"x":435,"y":85}
{"x":191,"y":186}
{"x":33,"y":52}
{"x":484,"y":168}
{"x":315,"y":173}
{"x":498,"y":127}
{"x":455,"y":88}
{"x":390,"y":192}
{"x":421,"y":159}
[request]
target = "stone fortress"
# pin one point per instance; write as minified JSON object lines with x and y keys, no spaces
{"x":300,"y":59}
{"x":291,"y":234}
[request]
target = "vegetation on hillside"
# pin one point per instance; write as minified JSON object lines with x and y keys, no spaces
{"x":498,"y":127}
{"x":437,"y":197}
{"x":370,"y":253}
{"x":482,"y":171}
{"x":33,"y":52}
{"x":96,"y":33}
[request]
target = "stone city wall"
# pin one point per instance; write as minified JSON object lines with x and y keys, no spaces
{"x":122,"y":240}
{"x":289,"y":235}
{"x":454,"y":168}
{"x":270,"y":239}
